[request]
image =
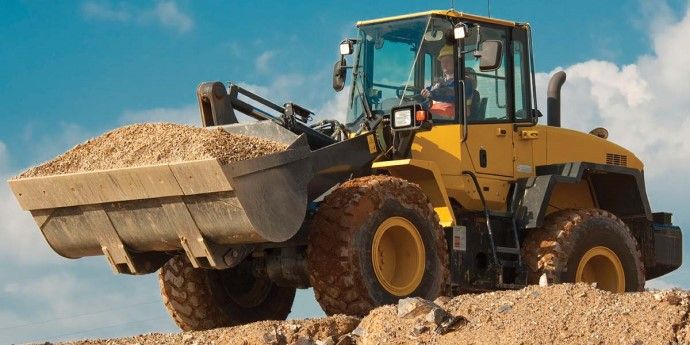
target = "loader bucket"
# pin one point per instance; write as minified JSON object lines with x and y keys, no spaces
{"x":135,"y":215}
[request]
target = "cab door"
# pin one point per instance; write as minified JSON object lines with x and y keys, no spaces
{"x":526,"y":138}
{"x":490,"y":132}
{"x":490,"y":146}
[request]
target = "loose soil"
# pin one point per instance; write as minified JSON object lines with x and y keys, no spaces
{"x":559,"y":314}
{"x":155,"y":143}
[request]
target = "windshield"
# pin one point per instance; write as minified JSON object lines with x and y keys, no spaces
{"x":395,"y":61}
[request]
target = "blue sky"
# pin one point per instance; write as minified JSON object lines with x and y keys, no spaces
{"x":71,"y":70}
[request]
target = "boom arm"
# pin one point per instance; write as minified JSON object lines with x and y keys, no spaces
{"x":218,"y":104}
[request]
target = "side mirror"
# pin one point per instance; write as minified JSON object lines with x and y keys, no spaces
{"x":490,"y":55}
{"x":339,"y":74}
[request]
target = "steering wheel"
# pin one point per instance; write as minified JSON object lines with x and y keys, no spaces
{"x":414,"y":97}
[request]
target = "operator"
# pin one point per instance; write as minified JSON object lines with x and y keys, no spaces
{"x":442,"y":93}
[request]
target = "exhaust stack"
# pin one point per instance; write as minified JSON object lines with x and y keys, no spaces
{"x":553,"y":103}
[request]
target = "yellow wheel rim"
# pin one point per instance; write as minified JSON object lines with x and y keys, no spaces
{"x":398,"y":256}
{"x":602,"y":266}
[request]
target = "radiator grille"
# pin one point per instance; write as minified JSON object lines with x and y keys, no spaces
{"x":616,"y":159}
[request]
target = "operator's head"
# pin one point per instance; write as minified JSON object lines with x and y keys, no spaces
{"x":445,"y":57}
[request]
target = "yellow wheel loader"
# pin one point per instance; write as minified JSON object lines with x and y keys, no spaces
{"x":439,"y":182}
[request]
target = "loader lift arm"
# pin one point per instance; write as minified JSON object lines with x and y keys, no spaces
{"x":217,"y":106}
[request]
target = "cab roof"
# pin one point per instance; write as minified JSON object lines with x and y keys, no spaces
{"x":447,"y":13}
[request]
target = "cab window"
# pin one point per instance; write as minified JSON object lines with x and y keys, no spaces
{"x":489,"y":100}
{"x":521,"y":76}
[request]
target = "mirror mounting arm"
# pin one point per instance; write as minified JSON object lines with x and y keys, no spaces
{"x":477,"y":52}
{"x":340,"y":67}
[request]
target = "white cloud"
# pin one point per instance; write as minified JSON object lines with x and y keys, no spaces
{"x":165,"y":13}
{"x":106,"y":11}
{"x":21,"y":239}
{"x":336,"y":107}
{"x":3,"y":155}
{"x":644,"y":105}
{"x":262,"y":61}
{"x":281,"y":89}
{"x":188,"y":114}
{"x":65,"y":136}
{"x":54,"y":303}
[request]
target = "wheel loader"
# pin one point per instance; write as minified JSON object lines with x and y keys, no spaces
{"x":440,"y":181}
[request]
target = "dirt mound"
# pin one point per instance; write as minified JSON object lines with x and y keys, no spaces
{"x":264,"y":332}
{"x":561,"y":314}
{"x":147,"y":144}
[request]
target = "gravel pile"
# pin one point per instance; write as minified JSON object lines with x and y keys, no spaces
{"x":559,"y":314}
{"x":147,"y":144}
{"x":301,"y":332}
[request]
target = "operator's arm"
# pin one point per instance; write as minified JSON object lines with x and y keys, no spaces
{"x":445,"y":92}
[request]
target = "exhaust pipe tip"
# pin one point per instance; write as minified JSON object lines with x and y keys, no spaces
{"x":553,"y":102}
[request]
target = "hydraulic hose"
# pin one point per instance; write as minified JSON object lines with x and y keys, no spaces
{"x":486,"y":213}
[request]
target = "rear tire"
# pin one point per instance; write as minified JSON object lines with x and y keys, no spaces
{"x":199,"y":299}
{"x":588,"y":245}
{"x":373,"y":241}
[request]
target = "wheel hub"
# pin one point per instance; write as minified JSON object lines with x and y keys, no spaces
{"x":398,"y":256}
{"x":602,"y":266}
{"x":242,"y":287}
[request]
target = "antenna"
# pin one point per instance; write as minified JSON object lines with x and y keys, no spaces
{"x":452,"y":4}
{"x":488,"y":7}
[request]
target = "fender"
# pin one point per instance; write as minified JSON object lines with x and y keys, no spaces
{"x":428,"y":176}
{"x":617,"y":189}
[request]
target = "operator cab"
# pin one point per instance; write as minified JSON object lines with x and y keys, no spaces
{"x":396,"y":59}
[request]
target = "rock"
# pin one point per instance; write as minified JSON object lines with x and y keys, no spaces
{"x":505,"y":308}
{"x":414,"y":306}
{"x":436,"y":316}
{"x":327,"y":341}
{"x":346,"y":340}
{"x":442,"y":300}
{"x":419,"y":329}
{"x":659,"y":296}
{"x":543,"y":280}
{"x":293,"y":327}
{"x":187,"y":337}
{"x":673,"y":299}
{"x":274,"y":337}
{"x":304,"y":341}
{"x":450,"y":323}
{"x":359,"y":331}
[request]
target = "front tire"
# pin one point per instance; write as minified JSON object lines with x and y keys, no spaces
{"x":373,"y":241}
{"x":199,"y":299}
{"x":588,"y":245}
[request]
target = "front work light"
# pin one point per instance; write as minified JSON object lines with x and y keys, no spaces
{"x":402,"y":118}
{"x":459,"y":31}
{"x":346,"y":47}
{"x":410,"y":118}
